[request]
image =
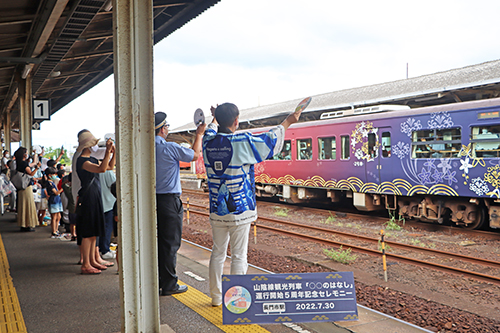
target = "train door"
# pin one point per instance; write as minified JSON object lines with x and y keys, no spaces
{"x":378,"y":152}
{"x":384,"y":158}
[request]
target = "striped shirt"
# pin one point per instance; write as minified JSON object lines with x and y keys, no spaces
{"x":229,"y":162}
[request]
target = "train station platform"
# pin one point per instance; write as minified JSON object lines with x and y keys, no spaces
{"x":42,"y":290}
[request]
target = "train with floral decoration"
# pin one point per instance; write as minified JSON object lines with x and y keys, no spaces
{"x":434,"y":164}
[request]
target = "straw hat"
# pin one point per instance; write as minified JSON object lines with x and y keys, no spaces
{"x":86,"y":140}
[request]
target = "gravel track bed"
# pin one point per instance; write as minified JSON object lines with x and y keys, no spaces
{"x":434,"y":300}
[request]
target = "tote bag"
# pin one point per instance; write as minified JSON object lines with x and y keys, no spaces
{"x":20,"y":180}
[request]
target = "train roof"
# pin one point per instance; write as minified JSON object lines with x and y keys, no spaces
{"x":481,"y":104}
{"x":481,"y":81}
{"x":454,"y":107}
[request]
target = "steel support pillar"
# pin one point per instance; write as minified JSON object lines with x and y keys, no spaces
{"x":134,"y":121}
{"x":25,"y":113}
{"x":6,"y":132}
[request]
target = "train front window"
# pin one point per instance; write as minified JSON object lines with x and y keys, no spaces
{"x":344,"y":147}
{"x":485,"y":141}
{"x":286,"y":152}
{"x":304,"y":149}
{"x":437,"y":143}
{"x":386,"y":144}
{"x":327,"y":148}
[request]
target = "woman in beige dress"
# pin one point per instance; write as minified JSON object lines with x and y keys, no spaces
{"x":27,"y":217}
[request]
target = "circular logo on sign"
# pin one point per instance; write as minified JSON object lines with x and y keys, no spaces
{"x":199,"y":117}
{"x":237,"y":299}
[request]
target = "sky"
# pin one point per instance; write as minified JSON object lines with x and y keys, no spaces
{"x":261,"y":52}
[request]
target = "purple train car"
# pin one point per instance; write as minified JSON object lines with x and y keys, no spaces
{"x":434,"y":164}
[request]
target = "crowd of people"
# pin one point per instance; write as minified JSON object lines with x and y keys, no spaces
{"x":87,"y":196}
{"x":83,"y":198}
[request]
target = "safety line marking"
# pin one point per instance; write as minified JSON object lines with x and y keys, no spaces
{"x":11,"y":319}
{"x":194,"y":276}
{"x":201,"y":304}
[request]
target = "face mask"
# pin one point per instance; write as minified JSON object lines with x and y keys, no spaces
{"x":94,"y":148}
{"x":53,"y":177}
{"x":7,"y":155}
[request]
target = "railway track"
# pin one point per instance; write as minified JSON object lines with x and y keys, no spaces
{"x":451,"y":230}
{"x":375,"y":252}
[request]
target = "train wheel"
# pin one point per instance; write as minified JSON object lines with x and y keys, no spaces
{"x":478,"y":221}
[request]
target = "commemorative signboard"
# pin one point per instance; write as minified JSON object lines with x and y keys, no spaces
{"x":278,"y":298}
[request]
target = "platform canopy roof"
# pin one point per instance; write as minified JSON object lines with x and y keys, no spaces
{"x":67,"y":45}
{"x":475,"y":82}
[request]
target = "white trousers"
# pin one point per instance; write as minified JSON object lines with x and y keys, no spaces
{"x":238,"y":236}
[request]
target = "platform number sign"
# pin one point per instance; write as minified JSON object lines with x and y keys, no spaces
{"x":41,"y":109}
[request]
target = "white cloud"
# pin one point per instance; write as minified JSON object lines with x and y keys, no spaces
{"x":263,"y":52}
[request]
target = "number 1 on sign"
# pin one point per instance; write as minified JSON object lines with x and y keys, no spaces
{"x":41,"y":109}
{"x":40,"y":106}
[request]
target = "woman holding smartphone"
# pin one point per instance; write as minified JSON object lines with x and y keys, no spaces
{"x":90,"y":218}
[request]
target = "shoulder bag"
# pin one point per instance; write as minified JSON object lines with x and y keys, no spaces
{"x":78,"y":206}
{"x":21,"y":180}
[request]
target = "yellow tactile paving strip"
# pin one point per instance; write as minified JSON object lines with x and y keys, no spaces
{"x":11,"y":318}
{"x":201,"y":304}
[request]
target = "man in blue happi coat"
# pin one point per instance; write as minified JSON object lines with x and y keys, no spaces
{"x":229,"y":161}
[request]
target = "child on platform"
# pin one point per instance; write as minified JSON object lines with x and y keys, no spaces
{"x":55,"y":203}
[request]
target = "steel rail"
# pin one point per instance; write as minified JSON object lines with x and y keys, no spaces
{"x":417,"y":262}
{"x":463,"y":257}
{"x":475,"y":260}
{"x":412,"y":223}
{"x":421,"y":263}
{"x":422,"y":225}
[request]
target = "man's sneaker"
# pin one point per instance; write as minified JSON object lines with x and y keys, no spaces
{"x":109,"y":255}
{"x":216,"y":301}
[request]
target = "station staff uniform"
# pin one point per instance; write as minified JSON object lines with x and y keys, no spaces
{"x":169,"y":206}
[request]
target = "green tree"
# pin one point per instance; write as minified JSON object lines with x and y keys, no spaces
{"x":52,"y":153}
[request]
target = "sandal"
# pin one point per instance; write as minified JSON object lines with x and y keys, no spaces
{"x":101,"y":267}
{"x":107,"y":263}
{"x":90,"y":271}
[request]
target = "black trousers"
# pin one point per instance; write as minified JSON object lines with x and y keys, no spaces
{"x":169,"y":219}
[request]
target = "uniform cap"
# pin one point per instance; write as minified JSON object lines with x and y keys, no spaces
{"x":160,"y":120}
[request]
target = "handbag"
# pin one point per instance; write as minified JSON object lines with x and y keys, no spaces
{"x":21,"y":180}
{"x":78,"y":206}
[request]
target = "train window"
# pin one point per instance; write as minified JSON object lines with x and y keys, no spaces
{"x":304,"y":149}
{"x":327,"y":148}
{"x":286,"y":152}
{"x":344,"y":147}
{"x":486,"y":141}
{"x":372,"y":145}
{"x":437,"y":143}
{"x":386,"y":144}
